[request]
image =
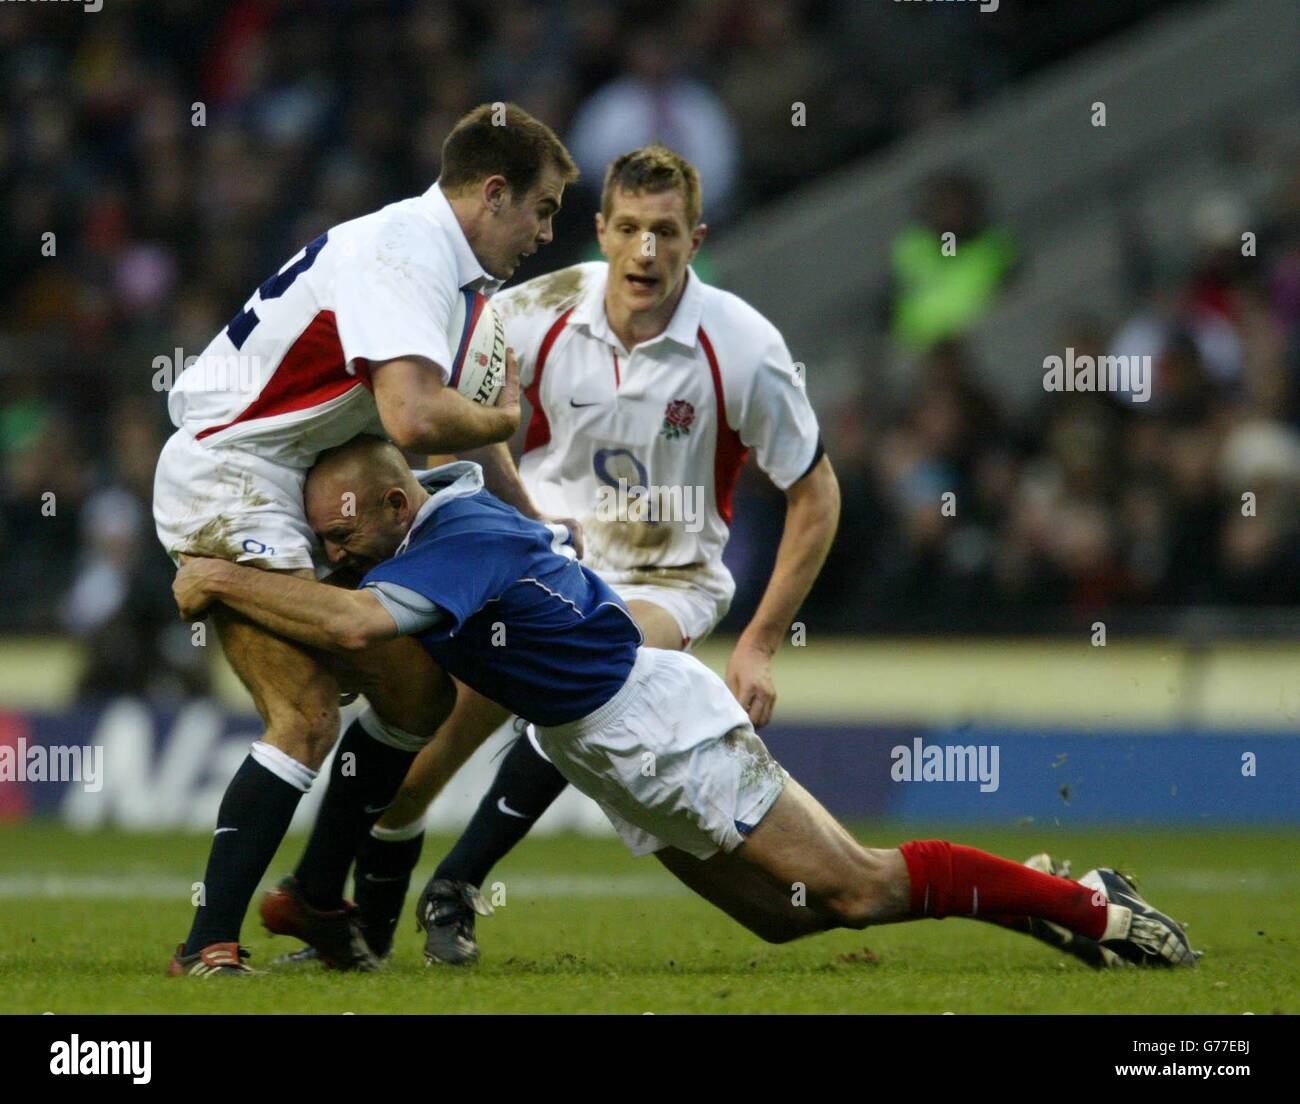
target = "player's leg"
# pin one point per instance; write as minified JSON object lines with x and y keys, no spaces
{"x":387,"y":855}
{"x":799,"y":842}
{"x":799,"y":872}
{"x":297,"y":700}
{"x":668,"y":779}
{"x":778,"y":913}
{"x":386,"y":846}
{"x":408,"y":696}
{"x":659,"y":627}
{"x":231,"y":504}
{"x":745,"y":893}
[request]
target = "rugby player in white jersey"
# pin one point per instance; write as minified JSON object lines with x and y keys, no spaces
{"x":351,"y":336}
{"x":648,"y":388}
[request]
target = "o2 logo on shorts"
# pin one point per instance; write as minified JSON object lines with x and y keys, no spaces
{"x":257,"y":548}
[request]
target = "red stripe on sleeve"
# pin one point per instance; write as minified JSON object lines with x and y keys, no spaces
{"x":539,"y":428}
{"x":729,"y":452}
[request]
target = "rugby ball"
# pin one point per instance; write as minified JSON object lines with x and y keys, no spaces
{"x":478,"y":341}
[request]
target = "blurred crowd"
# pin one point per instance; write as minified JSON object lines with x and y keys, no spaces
{"x":159,"y":159}
{"x":1085,"y":505}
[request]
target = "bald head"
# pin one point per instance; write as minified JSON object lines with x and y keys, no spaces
{"x":361,"y":498}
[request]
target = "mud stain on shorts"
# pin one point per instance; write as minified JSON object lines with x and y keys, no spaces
{"x":213,"y":540}
{"x":757,"y":767}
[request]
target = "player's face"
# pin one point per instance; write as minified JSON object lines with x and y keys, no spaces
{"x":359,"y":538}
{"x":519,"y":228}
{"x":649,"y":242}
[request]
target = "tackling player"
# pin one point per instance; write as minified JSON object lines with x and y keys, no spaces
{"x":350,"y":336}
{"x":454,"y":565}
{"x":648,"y":388}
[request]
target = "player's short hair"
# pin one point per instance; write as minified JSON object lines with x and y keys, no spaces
{"x":653,"y":169}
{"x":502,"y":139}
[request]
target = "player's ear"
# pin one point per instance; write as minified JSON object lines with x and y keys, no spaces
{"x":396,"y":501}
{"x":697,"y":239}
{"x":600,"y":232}
{"x":496,"y":192}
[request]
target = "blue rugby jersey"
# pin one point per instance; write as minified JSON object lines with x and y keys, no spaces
{"x":502,"y":603}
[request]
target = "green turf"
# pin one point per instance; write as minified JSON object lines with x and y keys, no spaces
{"x":633,"y":942}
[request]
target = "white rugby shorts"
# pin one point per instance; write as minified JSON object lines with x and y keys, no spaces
{"x":697,"y":604}
{"x":231,"y":504}
{"x":672,"y":759}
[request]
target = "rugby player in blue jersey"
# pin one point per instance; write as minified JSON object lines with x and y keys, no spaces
{"x":653,"y":736}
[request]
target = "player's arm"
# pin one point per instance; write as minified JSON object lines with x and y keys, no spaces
{"x":773,"y":416}
{"x":421,"y":413}
{"x":318,"y":614}
{"x":812,"y":513}
{"x":501,"y":477}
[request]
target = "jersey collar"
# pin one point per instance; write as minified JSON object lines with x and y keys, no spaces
{"x":469,"y":273}
{"x":683,"y":327}
{"x":454,"y":480}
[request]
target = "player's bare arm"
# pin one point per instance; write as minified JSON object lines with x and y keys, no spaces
{"x":812,"y":515}
{"x":318,"y":614}
{"x":422,"y":414}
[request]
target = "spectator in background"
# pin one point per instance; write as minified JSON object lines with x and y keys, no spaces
{"x":656,"y":101}
{"x":44,"y":483}
{"x":118,"y":603}
{"x":773,"y":63}
{"x":939,"y":292}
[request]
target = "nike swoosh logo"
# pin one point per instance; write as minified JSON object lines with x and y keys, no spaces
{"x":377,"y":808}
{"x":579,"y":406}
{"x":376,"y":878}
{"x":501,"y":804}
{"x":220,"y":830}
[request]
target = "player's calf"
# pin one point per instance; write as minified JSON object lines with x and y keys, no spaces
{"x":800,"y":845}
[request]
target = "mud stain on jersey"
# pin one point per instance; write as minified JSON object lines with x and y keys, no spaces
{"x":558,"y":289}
{"x":639,"y":536}
{"x":689,"y":577}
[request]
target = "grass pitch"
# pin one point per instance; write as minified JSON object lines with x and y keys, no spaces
{"x":87,"y":923}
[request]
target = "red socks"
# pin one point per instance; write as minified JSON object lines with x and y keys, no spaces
{"x":951,"y":880}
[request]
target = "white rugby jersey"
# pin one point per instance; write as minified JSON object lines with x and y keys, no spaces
{"x":289,"y":376}
{"x":676,"y":416}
